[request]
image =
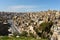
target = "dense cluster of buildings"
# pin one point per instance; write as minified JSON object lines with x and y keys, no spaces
{"x":27,"y":22}
{"x":31,"y":20}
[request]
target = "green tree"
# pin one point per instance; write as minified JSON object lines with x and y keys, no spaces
{"x":44,"y":29}
{"x":45,"y":26}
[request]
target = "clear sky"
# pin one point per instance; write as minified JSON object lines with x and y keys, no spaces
{"x":29,"y":5}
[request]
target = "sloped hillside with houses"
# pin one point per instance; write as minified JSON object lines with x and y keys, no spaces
{"x":36,"y":24}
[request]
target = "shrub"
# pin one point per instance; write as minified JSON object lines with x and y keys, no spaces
{"x":24,"y":33}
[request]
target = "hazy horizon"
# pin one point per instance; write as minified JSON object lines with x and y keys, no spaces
{"x":28,"y":5}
